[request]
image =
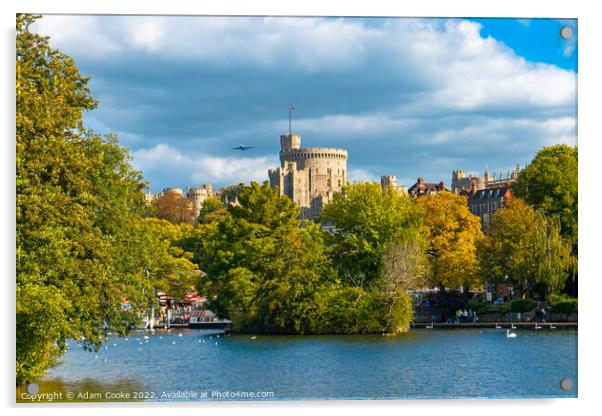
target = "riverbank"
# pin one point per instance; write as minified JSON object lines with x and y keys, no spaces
{"x":491,"y":325}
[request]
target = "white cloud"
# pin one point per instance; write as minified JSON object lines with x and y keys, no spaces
{"x":431,"y":87}
{"x":362,"y":175}
{"x":194,"y":169}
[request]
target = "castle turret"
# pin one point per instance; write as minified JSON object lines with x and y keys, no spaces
{"x":388,"y":182}
{"x":290,"y":142}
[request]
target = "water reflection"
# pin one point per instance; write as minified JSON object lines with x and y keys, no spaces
{"x":59,"y":390}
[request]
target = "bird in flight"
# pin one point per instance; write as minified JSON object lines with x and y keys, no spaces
{"x":242,"y":147}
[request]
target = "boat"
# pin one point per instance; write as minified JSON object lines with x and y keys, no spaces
{"x":206,"y":319}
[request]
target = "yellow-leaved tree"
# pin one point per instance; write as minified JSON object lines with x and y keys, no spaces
{"x":453,"y":233}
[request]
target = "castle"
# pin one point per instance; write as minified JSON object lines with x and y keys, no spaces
{"x":309,"y":176}
{"x":461,"y":182}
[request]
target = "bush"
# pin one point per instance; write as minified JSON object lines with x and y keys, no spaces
{"x":554,"y":298}
{"x":567,"y":306}
{"x":478,"y":307}
{"x":482,"y":308}
{"x":522,"y":305}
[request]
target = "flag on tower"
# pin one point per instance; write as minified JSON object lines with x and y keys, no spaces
{"x":291,"y":106}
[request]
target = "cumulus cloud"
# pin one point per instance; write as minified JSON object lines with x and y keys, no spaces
{"x":410,"y":97}
{"x":176,"y":168}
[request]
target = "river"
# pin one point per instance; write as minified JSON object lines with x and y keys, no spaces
{"x":422,"y":364}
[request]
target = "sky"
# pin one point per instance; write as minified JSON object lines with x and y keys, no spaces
{"x":405,"y":97}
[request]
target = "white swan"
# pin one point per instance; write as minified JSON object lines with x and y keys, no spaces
{"x":429,"y":326}
{"x":537,"y":326}
{"x":510,"y":334}
{"x":497,"y":326}
{"x":512,"y":326}
{"x":552,"y":326}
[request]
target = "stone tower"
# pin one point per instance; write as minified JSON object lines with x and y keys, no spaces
{"x":461,"y":182}
{"x":310,"y":176}
{"x":388,"y":182}
{"x":198,"y":196}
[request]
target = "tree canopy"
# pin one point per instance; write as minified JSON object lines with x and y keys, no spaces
{"x":263,"y":269}
{"x":550,"y":184}
{"x":364,"y":219}
{"x":523,"y":247}
{"x":80,"y":208}
{"x":453,"y":233}
{"x":173,"y":207}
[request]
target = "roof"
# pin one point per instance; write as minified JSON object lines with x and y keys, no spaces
{"x":424,"y":188}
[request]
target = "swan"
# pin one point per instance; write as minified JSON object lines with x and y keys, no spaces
{"x":513,"y":326}
{"x":552,"y":326}
{"x":510,"y":334}
{"x":253,"y":337}
{"x":537,"y":326}
{"x":497,"y":326}
{"x":429,"y":326}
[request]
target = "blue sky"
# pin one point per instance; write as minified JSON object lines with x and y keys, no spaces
{"x":405,"y":97}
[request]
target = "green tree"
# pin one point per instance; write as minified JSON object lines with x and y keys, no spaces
{"x":549,"y":184}
{"x":453,"y":233}
{"x":210,"y":210}
{"x":263,"y":270}
{"x":525,"y":248}
{"x":157,"y":263}
{"x":364,"y":220}
{"x":79,"y":216}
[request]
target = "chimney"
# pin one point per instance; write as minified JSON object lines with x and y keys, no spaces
{"x":420,"y":180}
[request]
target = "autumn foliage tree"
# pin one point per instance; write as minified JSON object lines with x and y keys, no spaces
{"x":453,"y":233}
{"x":174,"y":207}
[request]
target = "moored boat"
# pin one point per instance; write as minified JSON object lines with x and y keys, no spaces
{"x":206,"y":319}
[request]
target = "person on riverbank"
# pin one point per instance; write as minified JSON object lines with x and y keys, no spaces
{"x":458,"y":315}
{"x":464,"y":315}
{"x":470,"y":316}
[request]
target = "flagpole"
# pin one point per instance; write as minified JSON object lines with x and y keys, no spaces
{"x":289,"y":120}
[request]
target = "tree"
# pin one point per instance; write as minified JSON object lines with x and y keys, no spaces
{"x":77,"y":195}
{"x":453,"y":233}
{"x":404,"y":266}
{"x":550,"y":184}
{"x":83,"y":245}
{"x":365,"y":219}
{"x":159,"y":264}
{"x":175,"y":208}
{"x":263,"y":270}
{"x":525,"y":248}
{"x":212,"y":209}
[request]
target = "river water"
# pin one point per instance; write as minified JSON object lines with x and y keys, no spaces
{"x":422,"y":364}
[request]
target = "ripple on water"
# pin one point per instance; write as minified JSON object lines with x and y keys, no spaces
{"x":420,"y":364}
